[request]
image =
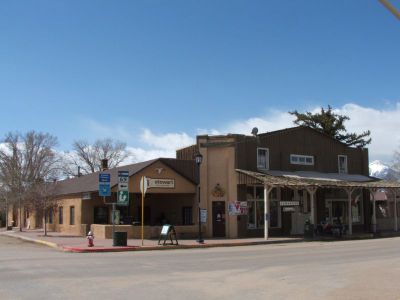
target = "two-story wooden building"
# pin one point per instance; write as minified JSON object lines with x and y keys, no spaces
{"x":273,"y":182}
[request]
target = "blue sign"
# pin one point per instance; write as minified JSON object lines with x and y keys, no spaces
{"x":104,"y":190}
{"x":104,"y":185}
{"x":104,"y":177}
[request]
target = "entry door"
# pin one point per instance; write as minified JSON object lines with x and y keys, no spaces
{"x":286,"y":222}
{"x":218,"y":214}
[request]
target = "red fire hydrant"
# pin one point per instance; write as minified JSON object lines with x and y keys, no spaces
{"x":90,"y":238}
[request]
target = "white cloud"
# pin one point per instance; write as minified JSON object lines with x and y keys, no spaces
{"x":158,"y":145}
{"x":275,"y":120}
{"x":169,"y":141}
{"x":384,"y":124}
{"x":140,"y":154}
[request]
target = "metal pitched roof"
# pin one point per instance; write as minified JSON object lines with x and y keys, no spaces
{"x":303,"y":182}
{"x":90,"y":182}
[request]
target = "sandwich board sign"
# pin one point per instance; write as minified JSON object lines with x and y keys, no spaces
{"x":123,"y":188}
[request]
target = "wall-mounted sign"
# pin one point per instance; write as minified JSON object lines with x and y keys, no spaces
{"x":289,"y":203}
{"x":288,"y":209}
{"x":86,"y":196}
{"x":218,"y":191}
{"x":203,"y":215}
{"x":161,"y":183}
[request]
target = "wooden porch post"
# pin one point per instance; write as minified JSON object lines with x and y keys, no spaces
{"x":373,"y":223}
{"x":312,"y":190}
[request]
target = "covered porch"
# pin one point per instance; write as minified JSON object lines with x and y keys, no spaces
{"x":345,"y":198}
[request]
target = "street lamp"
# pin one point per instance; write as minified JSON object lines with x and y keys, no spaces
{"x":199,"y":159}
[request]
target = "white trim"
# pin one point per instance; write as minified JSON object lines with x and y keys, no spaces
{"x":264,"y":166}
{"x":297,"y":159}
{"x":345,"y":169}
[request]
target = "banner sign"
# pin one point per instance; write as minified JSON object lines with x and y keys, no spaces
{"x":237,"y":208}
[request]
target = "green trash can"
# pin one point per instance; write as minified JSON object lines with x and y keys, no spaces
{"x":120,"y":238}
{"x":308,"y":230}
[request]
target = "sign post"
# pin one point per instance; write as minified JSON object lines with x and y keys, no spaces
{"x":143,"y":189}
{"x":105,"y":191}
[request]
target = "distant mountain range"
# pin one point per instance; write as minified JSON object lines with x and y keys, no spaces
{"x":383,"y":171}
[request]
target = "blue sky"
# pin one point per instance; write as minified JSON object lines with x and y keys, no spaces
{"x":156,"y":73}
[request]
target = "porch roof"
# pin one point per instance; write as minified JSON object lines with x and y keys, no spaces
{"x":313,"y":179}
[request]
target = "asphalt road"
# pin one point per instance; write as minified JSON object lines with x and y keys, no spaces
{"x":365,"y":269}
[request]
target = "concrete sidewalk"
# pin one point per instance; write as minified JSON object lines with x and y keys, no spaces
{"x":79,"y":243}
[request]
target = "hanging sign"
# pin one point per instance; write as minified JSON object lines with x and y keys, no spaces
{"x":289,"y":203}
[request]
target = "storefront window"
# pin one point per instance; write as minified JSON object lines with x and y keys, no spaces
{"x":383,"y":210}
{"x":339,"y":210}
{"x":251,"y":215}
{"x":260,"y":214}
{"x":255,"y":205}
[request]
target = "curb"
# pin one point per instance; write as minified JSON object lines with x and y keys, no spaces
{"x":172,"y":247}
{"x":92,"y":250}
{"x":35,"y":241}
{"x":72,"y":249}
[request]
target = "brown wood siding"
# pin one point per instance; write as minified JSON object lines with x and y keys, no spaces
{"x":187,"y":153}
{"x":301,"y":141}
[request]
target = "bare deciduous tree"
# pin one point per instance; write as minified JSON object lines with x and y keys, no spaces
{"x":87,"y":157}
{"x":43,"y":197}
{"x":26,"y":160}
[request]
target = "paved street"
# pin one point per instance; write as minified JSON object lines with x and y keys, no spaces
{"x":364,"y":269}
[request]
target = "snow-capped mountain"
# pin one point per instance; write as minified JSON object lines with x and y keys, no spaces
{"x":383,"y":171}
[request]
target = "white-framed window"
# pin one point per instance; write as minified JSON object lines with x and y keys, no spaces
{"x":263,"y":158}
{"x":342,"y":163}
{"x":297,"y":159}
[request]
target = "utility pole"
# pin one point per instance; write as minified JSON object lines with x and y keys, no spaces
{"x":390,"y":8}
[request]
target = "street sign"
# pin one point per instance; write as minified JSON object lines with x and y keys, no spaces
{"x":143,"y":185}
{"x":104,"y":190}
{"x":123,"y":188}
{"x":123,"y":198}
{"x":104,"y":185}
{"x":104,"y":177}
{"x":123,"y":176}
